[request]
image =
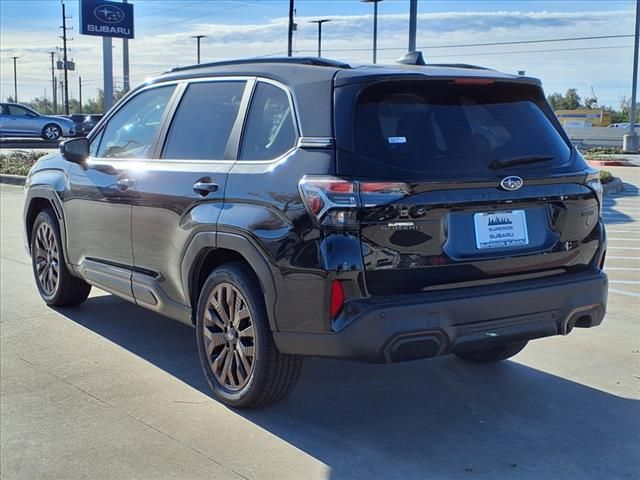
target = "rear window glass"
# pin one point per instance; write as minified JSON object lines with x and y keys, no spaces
{"x":427,"y":128}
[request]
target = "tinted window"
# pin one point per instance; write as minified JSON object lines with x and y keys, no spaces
{"x":430,"y":127}
{"x":131,"y":131}
{"x":203,"y":122}
{"x":270,"y":130}
{"x":19,"y":111}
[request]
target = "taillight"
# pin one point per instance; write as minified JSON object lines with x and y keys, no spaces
{"x":337,"y":299}
{"x":334,"y":202}
{"x":474,"y":81}
{"x":593,"y":182}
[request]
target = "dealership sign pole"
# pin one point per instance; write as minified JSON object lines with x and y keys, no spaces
{"x":107,"y":20}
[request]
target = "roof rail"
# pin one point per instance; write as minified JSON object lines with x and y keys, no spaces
{"x":315,"y":61}
{"x":459,"y":65}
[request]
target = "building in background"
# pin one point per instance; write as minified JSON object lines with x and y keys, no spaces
{"x":583,"y":118}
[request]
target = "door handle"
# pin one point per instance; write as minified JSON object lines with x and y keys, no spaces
{"x":125,"y":184}
{"x":204,"y":188}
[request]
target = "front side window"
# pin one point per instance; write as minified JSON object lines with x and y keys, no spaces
{"x":131,"y":131}
{"x":203,"y":121}
{"x":18,"y":111}
{"x":270,"y":130}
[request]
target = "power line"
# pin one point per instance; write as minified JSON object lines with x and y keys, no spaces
{"x":530,"y":51}
{"x":197,"y":17}
{"x":487,"y":44}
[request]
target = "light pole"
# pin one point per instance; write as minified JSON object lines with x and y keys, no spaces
{"x":630,"y":142}
{"x":291,"y":28}
{"x":320,"y":22}
{"x":15,"y":80}
{"x":198,"y":38}
{"x":375,"y":27}
{"x":413,"y":21}
{"x":54,"y":99}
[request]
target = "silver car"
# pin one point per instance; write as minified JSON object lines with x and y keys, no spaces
{"x":19,"y":121}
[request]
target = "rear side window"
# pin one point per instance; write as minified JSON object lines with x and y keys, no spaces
{"x":203,"y":122}
{"x":131,"y":131}
{"x":427,"y":128}
{"x":270,"y":130}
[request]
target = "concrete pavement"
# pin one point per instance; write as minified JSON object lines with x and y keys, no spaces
{"x":108,"y":390}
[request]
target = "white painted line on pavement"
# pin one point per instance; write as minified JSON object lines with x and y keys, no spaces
{"x":623,"y":248}
{"x":626,"y":282}
{"x":622,"y":231}
{"x":622,"y":258}
{"x":622,"y":292}
{"x":622,"y":269}
{"x":617,"y":239}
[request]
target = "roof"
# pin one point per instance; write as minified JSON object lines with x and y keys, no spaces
{"x":314,"y":78}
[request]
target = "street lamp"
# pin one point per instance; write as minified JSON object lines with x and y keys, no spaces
{"x":375,"y":27}
{"x":15,"y":80}
{"x":198,"y":38}
{"x":631,"y":140}
{"x":320,"y":22}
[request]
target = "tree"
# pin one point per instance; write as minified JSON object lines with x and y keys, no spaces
{"x":569,"y":101}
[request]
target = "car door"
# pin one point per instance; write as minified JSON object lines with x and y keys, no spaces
{"x":22,"y":121}
{"x":5,"y":125}
{"x":181,"y":192}
{"x":101,"y":191}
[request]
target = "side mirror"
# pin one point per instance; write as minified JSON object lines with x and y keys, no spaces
{"x":75,"y":150}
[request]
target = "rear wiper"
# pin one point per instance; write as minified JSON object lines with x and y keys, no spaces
{"x":519,"y":161}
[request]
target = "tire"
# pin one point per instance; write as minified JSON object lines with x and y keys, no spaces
{"x":237,"y":353}
{"x":492,"y":354}
{"x":51,"y":132}
{"x":57,"y":287}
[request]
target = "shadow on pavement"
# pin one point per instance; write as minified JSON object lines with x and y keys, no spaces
{"x":614,"y":216}
{"x":437,"y":418}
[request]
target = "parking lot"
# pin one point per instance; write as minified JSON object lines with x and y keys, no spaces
{"x":109,"y":390}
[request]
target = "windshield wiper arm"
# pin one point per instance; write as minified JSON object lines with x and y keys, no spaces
{"x":519,"y":161}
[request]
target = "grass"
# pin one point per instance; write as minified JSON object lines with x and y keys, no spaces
{"x":19,"y":163}
{"x":605,"y":176}
{"x":602,"y":151}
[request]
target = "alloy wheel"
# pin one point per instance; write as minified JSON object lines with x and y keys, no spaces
{"x":52,"y":132}
{"x":47,"y":259}
{"x":229,"y":337}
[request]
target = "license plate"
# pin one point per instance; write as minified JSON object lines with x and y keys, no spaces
{"x":501,"y":229}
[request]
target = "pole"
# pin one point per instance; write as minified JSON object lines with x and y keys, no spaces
{"x":375,"y":32}
{"x":53,"y":84}
{"x":198,"y":38}
{"x":15,"y":80}
{"x":290,"y":34}
{"x":125,"y":63}
{"x":630,"y":142}
{"x":55,"y":95}
{"x":80,"y":92}
{"x":64,"y":47}
{"x":320,"y":22}
{"x":107,"y":73}
{"x":413,"y":20}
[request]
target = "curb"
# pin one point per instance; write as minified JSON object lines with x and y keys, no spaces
{"x":12,"y":179}
{"x":612,"y":163}
{"x":614,"y":186}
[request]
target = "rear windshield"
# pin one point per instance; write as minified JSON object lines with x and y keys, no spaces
{"x":426,"y":128}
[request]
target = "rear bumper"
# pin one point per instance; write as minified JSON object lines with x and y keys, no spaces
{"x":420,"y":326}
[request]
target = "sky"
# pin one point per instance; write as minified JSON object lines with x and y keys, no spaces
{"x":245,"y":28}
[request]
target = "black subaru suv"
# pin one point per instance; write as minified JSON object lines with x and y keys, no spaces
{"x":296,"y":207}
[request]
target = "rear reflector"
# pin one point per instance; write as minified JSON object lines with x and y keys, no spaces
{"x":337,"y":299}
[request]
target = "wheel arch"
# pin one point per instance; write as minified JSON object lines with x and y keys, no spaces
{"x":208,"y":250}
{"x":39,"y":198}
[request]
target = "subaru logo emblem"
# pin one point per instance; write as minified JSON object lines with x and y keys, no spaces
{"x":511,"y":183}
{"x":109,"y":14}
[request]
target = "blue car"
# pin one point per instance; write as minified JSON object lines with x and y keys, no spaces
{"x":19,"y":121}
